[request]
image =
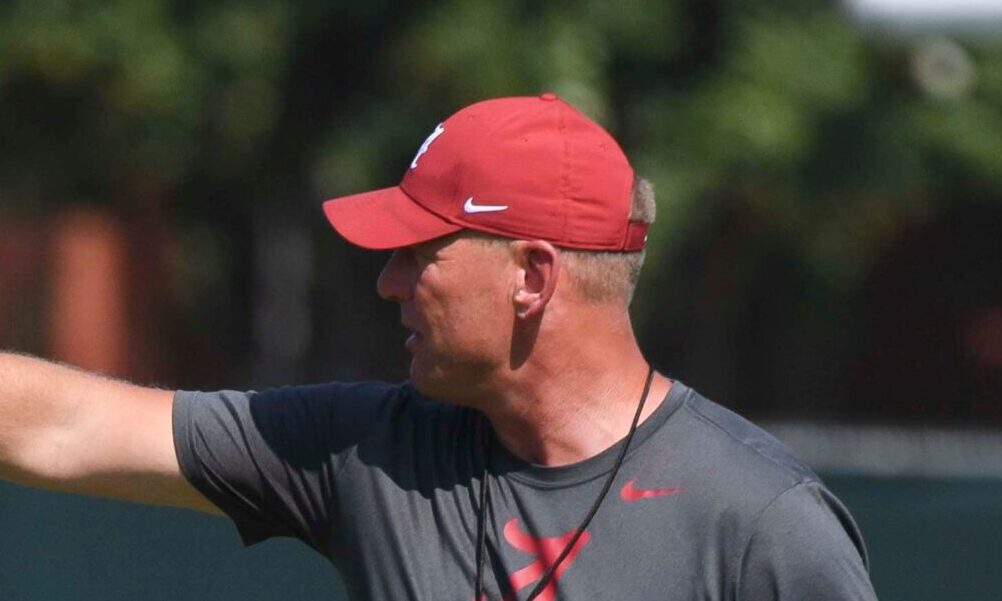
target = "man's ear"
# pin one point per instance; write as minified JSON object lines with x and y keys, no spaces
{"x":538,"y":264}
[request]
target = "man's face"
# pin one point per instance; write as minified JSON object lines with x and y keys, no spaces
{"x":455,"y":296}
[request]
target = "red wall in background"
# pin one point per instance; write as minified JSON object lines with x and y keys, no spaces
{"x":87,"y":309}
{"x":79,"y":287}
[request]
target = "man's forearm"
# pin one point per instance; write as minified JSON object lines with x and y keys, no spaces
{"x":65,"y":429}
{"x":39,"y":402}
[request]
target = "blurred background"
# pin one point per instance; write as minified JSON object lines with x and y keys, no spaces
{"x":827,"y":257}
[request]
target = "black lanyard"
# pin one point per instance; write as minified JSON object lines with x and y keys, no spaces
{"x":478,"y":587}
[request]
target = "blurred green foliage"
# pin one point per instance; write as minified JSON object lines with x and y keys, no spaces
{"x":779,"y":137}
{"x":111,"y":99}
{"x":797,"y":103}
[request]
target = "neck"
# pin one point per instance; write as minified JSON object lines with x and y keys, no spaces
{"x":563,"y":406}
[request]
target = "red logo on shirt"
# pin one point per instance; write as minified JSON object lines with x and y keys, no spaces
{"x":630,"y":493}
{"x":546,"y":550}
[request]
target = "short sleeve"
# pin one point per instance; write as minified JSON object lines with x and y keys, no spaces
{"x":805,"y":545}
{"x":269,"y":460}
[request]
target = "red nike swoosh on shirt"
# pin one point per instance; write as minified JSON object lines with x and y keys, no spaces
{"x":630,"y":493}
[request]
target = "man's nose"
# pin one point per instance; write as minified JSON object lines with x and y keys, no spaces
{"x":394,"y":281}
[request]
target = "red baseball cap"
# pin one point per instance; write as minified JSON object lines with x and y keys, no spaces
{"x":526,"y":168}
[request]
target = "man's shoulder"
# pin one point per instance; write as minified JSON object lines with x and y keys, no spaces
{"x":336,"y":403}
{"x":389,"y":402}
{"x":785,"y":529}
{"x":744,"y":458}
{"x":394,"y":395}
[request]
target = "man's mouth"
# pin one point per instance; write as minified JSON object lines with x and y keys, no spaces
{"x":412,"y":340}
{"x":414,"y":336}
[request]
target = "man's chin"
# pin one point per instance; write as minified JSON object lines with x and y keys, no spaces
{"x":432,"y":391}
{"x":433,"y":385}
{"x":424,"y":382}
{"x":447,"y":380}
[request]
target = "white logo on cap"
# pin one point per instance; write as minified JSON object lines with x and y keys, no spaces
{"x":439,"y":130}
{"x":469,"y":207}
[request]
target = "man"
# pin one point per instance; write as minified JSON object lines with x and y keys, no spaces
{"x":533,"y":454}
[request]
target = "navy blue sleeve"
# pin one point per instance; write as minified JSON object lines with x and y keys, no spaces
{"x":270,"y":460}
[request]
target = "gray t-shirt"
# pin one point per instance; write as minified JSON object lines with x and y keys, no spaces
{"x":385,"y":483}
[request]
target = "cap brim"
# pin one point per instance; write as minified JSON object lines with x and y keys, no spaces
{"x":385,"y":219}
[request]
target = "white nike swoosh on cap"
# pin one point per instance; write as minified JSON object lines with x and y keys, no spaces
{"x":469,"y":207}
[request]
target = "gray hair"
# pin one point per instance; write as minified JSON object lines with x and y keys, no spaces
{"x":604,"y":276}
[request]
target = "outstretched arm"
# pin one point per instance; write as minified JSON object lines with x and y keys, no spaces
{"x":64,"y":429}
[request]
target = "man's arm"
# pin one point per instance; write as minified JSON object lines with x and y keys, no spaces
{"x":68,"y":430}
{"x":805,"y":546}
